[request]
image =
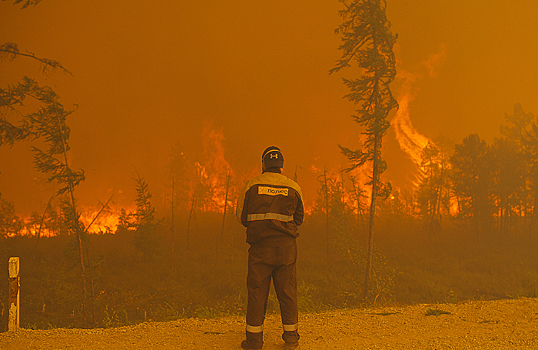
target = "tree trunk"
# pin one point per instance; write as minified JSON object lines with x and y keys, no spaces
{"x":172,"y":228}
{"x":191,"y":213}
{"x":371,"y":223}
{"x":224,"y":212}
{"x":77,"y":226}
{"x":327,"y":214}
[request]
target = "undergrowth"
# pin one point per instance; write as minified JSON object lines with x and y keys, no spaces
{"x":208,"y":280}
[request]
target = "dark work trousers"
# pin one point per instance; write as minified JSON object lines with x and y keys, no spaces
{"x":279,"y":263}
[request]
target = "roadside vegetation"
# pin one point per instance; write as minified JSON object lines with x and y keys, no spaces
{"x":410,"y":266}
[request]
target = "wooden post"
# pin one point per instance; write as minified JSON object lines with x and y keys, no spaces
{"x":14,"y":284}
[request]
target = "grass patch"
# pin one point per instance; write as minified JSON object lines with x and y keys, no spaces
{"x":436,"y":312}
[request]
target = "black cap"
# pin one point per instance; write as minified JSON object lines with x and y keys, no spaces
{"x":272,"y":157}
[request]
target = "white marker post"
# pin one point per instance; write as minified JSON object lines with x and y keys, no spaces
{"x":14,"y":284}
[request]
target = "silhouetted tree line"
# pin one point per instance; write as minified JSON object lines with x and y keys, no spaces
{"x":489,"y":188}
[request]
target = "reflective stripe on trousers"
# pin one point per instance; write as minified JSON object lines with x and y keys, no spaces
{"x":290,"y":327}
{"x":285,"y":327}
{"x":254,"y":329}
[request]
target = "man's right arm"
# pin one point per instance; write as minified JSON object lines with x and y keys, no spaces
{"x":298,"y":216}
{"x":240,"y":209}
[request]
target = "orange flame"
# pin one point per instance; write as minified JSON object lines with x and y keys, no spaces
{"x":105,"y":222}
{"x":216,"y":172}
{"x":409,"y":139}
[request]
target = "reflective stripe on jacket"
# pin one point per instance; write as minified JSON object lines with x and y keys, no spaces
{"x":271,"y":205}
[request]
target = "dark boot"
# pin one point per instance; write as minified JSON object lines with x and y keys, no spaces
{"x":291,"y":339}
{"x":254,"y":341}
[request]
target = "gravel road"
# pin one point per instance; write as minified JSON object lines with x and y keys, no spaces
{"x":502,"y":324}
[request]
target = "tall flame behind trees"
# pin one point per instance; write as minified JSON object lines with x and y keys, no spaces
{"x":409,"y":139}
{"x":368,"y":41}
{"x":431,"y":162}
{"x":201,"y":185}
{"x":430,"y":159}
{"x":217,"y":167}
{"x":202,"y":182}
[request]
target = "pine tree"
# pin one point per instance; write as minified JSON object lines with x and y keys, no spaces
{"x":49,"y":124}
{"x":522,"y":130}
{"x":472,"y":178}
{"x":145,"y":225}
{"x":10,"y":224}
{"x":368,"y":41}
{"x":509,"y":177}
{"x":434,"y":189}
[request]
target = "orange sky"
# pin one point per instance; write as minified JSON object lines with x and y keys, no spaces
{"x":147,"y":75}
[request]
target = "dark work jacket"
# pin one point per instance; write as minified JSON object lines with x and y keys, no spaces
{"x":270,"y":207}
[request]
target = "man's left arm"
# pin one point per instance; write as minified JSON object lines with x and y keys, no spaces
{"x":240,"y":211}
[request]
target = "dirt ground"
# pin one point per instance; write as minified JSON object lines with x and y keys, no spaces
{"x":503,"y":324}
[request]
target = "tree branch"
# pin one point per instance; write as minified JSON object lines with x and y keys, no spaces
{"x":11,"y":51}
{"x":26,"y":3}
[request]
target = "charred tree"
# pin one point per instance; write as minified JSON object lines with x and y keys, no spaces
{"x":224,"y":210}
{"x":325,"y":190}
{"x":192,"y":214}
{"x":368,"y":42}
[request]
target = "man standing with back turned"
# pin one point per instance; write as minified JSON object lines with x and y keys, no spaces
{"x":271,"y":208}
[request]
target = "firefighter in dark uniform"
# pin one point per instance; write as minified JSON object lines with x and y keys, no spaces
{"x":271,"y":207}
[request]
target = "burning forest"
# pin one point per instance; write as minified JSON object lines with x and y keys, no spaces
{"x":120,"y":176}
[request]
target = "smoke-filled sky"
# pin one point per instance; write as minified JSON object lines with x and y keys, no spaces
{"x":147,"y":75}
